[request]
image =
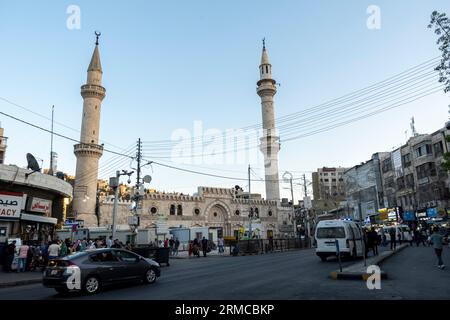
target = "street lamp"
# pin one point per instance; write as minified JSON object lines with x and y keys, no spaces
{"x":114,"y":183}
{"x":287,"y":176}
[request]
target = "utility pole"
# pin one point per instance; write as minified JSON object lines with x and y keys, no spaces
{"x":307,"y":209}
{"x":50,"y":171}
{"x":292,"y":197}
{"x":138,"y":157}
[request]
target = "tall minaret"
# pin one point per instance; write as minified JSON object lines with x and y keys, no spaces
{"x":88,"y":152}
{"x":270,"y":145}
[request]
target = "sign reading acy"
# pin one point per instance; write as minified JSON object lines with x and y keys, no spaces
{"x":10,"y":205}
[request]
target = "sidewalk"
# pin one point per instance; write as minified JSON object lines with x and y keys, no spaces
{"x":18,"y":279}
{"x":213,"y":253}
{"x":358,"y":271}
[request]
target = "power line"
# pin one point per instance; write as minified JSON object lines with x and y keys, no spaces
{"x":58,"y":134}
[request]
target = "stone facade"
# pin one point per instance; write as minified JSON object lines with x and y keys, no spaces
{"x":211,"y":207}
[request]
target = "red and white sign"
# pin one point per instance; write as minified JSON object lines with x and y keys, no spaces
{"x":41,"y":205}
{"x":11,"y":204}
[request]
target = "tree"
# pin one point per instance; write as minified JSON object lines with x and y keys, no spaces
{"x":441,"y":24}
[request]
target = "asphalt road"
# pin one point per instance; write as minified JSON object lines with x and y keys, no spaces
{"x":289,"y":275}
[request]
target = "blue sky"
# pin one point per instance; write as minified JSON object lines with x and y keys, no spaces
{"x":169,"y":63}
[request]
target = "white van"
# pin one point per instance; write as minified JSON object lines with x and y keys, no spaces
{"x":348,"y":235}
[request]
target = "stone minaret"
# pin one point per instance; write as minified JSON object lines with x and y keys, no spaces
{"x":88,"y":152}
{"x":270,"y":145}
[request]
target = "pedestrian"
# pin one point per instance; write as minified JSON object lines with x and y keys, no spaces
{"x":176,"y":245}
{"x":44,"y":252}
{"x":220,"y":243}
{"x":116,"y":244}
{"x":10,"y":252}
{"x":204,"y":246}
{"x":373,"y":241}
{"x":128,"y":246}
{"x":171,"y":244}
{"x":109,"y":242}
{"x":53,"y":250}
{"x":63,"y":249}
{"x":76,"y":246}
{"x":22,"y":261}
{"x":190,"y":248}
{"x":196,"y":248}
{"x":399,"y":236}
{"x":393,"y":238}
{"x":166,"y":243}
{"x":436,"y":240}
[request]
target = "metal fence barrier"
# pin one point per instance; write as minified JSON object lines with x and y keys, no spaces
{"x":263,"y":246}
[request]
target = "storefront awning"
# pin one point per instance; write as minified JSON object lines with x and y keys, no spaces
{"x":36,"y":218}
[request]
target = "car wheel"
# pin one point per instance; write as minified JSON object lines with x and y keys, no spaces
{"x":323,"y":258}
{"x":150,"y":276}
{"x":91,"y":285}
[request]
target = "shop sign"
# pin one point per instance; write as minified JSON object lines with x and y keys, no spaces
{"x":422,"y":214}
{"x":432,"y":212}
{"x":41,"y":206}
{"x":10,"y":205}
{"x":409,"y":216}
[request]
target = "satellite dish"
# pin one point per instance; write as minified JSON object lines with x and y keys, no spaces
{"x":32,"y":163}
{"x":147,"y":179}
{"x":60,"y":175}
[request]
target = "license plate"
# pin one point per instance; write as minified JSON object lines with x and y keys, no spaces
{"x":54,"y":272}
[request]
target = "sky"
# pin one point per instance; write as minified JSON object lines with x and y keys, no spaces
{"x":170,"y":67}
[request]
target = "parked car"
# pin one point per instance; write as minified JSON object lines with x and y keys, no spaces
{"x":90,"y":270}
{"x":348,"y":235}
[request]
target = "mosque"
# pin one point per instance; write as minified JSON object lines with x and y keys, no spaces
{"x":215,"y":211}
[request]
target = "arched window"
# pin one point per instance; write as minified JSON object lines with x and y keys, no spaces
{"x":267,"y":69}
{"x":197,"y":211}
{"x":172,"y":209}
{"x":237,"y":212}
{"x":179,"y":210}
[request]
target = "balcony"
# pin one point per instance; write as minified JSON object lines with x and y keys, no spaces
{"x":88,"y":148}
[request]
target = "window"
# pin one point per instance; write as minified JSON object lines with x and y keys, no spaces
{"x":237,"y":212}
{"x":340,"y":179}
{"x":333,"y":173}
{"x":330,"y":233}
{"x":426,"y":170}
{"x":326,"y":180}
{"x":406,"y":159}
{"x":321,"y":180}
{"x":125,"y":256}
{"x":438,"y":149}
{"x":401,"y":183}
{"x":106,"y":256}
{"x":179,"y":210}
{"x":197,"y":211}
{"x":153,"y":210}
{"x":409,"y":181}
{"x":267,"y":69}
{"x":387,"y":165}
{"x":270,"y":213}
{"x":325,"y":174}
{"x":423,"y":150}
{"x":172,"y":209}
{"x":333,"y":180}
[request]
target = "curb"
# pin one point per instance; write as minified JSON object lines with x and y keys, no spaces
{"x":20,"y":283}
{"x":338,"y":275}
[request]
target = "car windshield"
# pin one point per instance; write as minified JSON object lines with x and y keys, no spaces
{"x":75,"y":255}
{"x":330,"y":232}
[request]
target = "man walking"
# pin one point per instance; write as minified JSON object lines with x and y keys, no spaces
{"x":10,"y":252}
{"x":204,"y":246}
{"x":393,"y":238}
{"x":436,"y":240}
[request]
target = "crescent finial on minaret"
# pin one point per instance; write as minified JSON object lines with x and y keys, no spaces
{"x":97,"y":34}
{"x":264,"y":42}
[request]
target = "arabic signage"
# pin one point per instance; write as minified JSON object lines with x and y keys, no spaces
{"x":40,"y":205}
{"x":432,"y":213}
{"x":10,"y":205}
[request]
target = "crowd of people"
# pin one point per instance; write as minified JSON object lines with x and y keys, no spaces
{"x":31,"y":257}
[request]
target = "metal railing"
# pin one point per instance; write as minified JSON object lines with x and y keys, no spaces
{"x":263,"y":246}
